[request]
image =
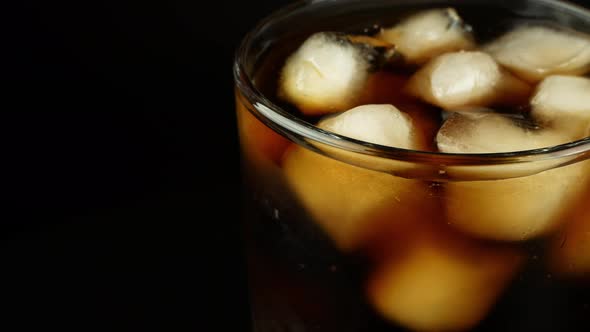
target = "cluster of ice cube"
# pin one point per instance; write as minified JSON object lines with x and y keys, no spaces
{"x":445,"y":280}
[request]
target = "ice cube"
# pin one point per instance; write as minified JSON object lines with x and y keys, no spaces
{"x":438,"y":280}
{"x":570,"y":250}
{"x":534,"y":52}
{"x":487,"y":132}
{"x":466,"y":79}
{"x":428,"y":34}
{"x":329,"y":71}
{"x":563,"y":102}
{"x":379,"y":124}
{"x":353,"y":204}
{"x":512,"y":209}
{"x":423,"y":123}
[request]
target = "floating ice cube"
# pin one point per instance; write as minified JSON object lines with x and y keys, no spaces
{"x":413,"y":128}
{"x":466,"y":79}
{"x":439,"y":280}
{"x":487,"y":132}
{"x":534,"y":52}
{"x":379,"y":124}
{"x":564,"y":102}
{"x":428,"y":34}
{"x":350,"y":203}
{"x":509,"y":209}
{"x":329,"y":71}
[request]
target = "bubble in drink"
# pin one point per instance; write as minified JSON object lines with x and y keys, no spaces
{"x":428,"y":34}
{"x":441,"y":280}
{"x":329,"y":71}
{"x":535,"y":52}
{"x":514,"y":209}
{"x":351,"y":203}
{"x":563,"y":102}
{"x":466,"y":79}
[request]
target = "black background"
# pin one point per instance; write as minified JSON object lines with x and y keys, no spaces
{"x":121,"y":168}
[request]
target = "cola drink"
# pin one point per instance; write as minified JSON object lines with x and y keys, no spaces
{"x":417,"y":167}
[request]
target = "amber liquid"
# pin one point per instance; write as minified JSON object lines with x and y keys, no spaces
{"x":301,"y":281}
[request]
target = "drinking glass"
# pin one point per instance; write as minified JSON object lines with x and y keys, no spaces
{"x":345,"y":235}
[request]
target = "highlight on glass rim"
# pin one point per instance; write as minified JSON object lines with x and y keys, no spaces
{"x":417,"y":166}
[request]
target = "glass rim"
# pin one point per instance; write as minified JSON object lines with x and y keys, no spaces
{"x":288,"y":124}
